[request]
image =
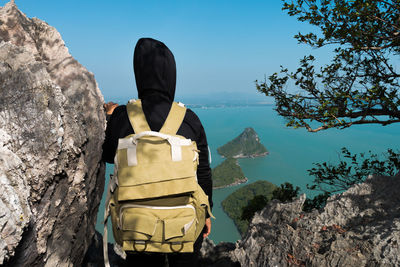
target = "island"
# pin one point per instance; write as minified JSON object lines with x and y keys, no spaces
{"x":228,"y":173}
{"x":235,"y":202}
{"x":246,"y":145}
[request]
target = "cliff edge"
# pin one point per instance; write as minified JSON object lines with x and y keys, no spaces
{"x":51,"y":132}
{"x":360,"y":227}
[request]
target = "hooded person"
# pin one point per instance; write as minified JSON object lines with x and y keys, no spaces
{"x":155,"y":73}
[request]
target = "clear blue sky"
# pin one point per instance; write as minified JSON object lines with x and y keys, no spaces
{"x":220,"y":46}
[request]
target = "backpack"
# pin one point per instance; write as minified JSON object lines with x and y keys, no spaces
{"x":155,"y":202}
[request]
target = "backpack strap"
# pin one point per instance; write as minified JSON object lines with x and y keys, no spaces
{"x":110,"y":188}
{"x":174,"y":119}
{"x":137,"y":117}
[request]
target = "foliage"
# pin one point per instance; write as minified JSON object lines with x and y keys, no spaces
{"x":360,"y":85}
{"x":255,"y":204}
{"x":236,"y":201}
{"x":332,"y":179}
{"x":354,"y":169}
{"x":228,"y":172}
{"x":317,"y":202}
{"x":285,"y":192}
{"x":246,"y":144}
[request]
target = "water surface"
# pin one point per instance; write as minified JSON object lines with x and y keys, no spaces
{"x":291,"y":152}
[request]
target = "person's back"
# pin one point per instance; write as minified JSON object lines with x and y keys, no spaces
{"x":155,"y":74}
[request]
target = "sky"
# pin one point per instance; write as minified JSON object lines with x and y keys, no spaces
{"x":220,"y":47}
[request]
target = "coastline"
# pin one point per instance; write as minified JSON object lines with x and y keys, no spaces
{"x":241,"y":156}
{"x":238,"y":182}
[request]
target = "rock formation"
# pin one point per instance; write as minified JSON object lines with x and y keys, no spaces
{"x":51,"y":132}
{"x":360,"y":227}
{"x":94,"y":256}
{"x":217,"y":255}
{"x":235,"y":204}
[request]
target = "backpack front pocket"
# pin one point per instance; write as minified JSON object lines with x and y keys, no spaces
{"x":139,"y":226}
{"x":158,"y":223}
{"x":179,"y":228}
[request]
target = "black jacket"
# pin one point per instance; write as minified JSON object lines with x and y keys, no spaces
{"x":155,"y":73}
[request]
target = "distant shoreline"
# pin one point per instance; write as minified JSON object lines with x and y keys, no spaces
{"x":209,"y":106}
{"x":238,"y":182}
{"x":240,"y":156}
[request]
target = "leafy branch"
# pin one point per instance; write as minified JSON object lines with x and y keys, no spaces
{"x":353,"y":169}
{"x":360,"y":85}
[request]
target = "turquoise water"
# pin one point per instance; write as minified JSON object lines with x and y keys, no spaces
{"x":291,"y":152}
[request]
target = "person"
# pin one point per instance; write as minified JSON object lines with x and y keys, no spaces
{"x":155,"y":73}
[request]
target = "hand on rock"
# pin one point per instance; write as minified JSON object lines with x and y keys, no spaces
{"x":109,"y":107}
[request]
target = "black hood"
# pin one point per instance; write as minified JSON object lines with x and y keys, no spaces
{"x":155,"y":70}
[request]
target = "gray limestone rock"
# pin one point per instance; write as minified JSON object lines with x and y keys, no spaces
{"x":51,"y":131}
{"x":212,"y":255}
{"x":94,"y":256}
{"x":360,"y":227}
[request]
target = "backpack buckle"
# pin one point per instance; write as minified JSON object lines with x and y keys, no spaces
{"x":176,"y":243}
{"x":139,"y":242}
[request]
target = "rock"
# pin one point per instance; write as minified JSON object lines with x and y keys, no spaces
{"x":217,"y":256}
{"x":51,"y":131}
{"x":242,"y":201}
{"x":210,"y":255}
{"x":360,"y":227}
{"x":94,"y":256}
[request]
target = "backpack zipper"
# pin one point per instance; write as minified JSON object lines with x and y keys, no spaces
{"x":126,"y":206}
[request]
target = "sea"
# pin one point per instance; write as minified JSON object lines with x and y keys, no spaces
{"x":291,"y":152}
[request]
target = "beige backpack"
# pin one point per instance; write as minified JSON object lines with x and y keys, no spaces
{"x":154,"y":200}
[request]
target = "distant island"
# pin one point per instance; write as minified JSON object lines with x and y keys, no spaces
{"x":227,"y":105}
{"x":239,"y":199}
{"x":246,"y":145}
{"x":228,"y":173}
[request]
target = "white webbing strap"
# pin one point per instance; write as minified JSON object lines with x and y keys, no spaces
{"x":115,"y":181}
{"x":175,"y":142}
{"x":105,"y":245}
{"x":130,"y":145}
{"x":110,"y":188}
{"x":209,"y":155}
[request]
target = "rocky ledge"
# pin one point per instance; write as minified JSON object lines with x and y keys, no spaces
{"x":51,"y":131}
{"x":360,"y":227}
